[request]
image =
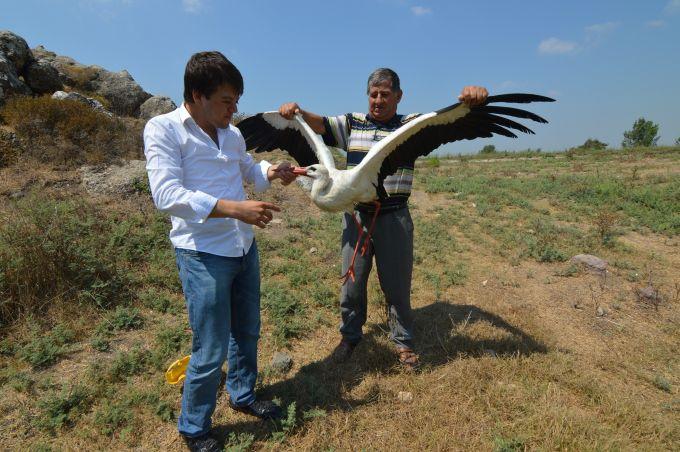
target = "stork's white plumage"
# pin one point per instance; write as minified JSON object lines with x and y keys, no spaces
{"x":340,"y":190}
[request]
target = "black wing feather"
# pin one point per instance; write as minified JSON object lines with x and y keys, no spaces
{"x":261,"y":136}
{"x":482,"y":121}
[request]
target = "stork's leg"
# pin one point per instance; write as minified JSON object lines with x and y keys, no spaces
{"x":350,"y":270}
{"x":367,"y":240}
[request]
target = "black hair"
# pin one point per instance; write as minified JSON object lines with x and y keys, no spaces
{"x":207,"y":71}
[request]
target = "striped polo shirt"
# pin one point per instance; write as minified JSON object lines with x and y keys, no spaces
{"x":356,"y":133}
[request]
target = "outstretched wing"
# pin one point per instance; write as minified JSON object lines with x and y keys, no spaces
{"x":427,"y":132}
{"x":267,"y":131}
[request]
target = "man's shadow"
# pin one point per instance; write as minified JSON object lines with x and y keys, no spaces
{"x":441,"y":337}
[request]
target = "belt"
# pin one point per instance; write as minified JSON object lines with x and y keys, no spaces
{"x":384,"y":208}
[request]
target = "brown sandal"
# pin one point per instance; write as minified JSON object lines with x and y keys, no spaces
{"x":408,"y":358}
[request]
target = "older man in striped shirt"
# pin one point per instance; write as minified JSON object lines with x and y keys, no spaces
{"x":392,"y":239}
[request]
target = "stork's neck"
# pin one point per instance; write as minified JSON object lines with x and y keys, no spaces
{"x":321,"y":185}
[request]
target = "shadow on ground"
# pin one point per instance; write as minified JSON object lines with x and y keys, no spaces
{"x":326,"y":385}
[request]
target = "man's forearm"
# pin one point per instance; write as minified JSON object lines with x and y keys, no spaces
{"x":315,"y":121}
{"x":224,"y":209}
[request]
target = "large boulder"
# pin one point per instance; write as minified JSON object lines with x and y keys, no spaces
{"x":70,"y":71}
{"x":16,"y":49}
{"x":121,"y":91}
{"x":92,"y":103}
{"x":125,"y":96}
{"x":42,"y":77}
{"x":9,"y":79}
{"x":156,"y":105}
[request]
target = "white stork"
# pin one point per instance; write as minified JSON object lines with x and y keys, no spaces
{"x":337,"y":190}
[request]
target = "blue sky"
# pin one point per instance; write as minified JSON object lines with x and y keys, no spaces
{"x":607,"y":62}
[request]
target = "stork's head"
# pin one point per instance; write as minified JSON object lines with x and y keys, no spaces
{"x":318,"y":173}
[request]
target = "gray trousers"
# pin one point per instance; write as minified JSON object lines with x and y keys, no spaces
{"x":392,"y":246}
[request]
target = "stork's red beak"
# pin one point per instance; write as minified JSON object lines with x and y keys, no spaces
{"x":299,"y":171}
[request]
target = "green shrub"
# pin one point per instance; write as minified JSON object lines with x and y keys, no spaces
{"x":171,"y":340}
{"x":285,"y":311}
{"x":594,"y":144}
{"x":18,"y":380}
{"x":125,"y":319}
{"x":287,"y":424}
{"x":43,"y":350}
{"x":100,"y":343}
{"x":240,"y":442}
{"x":127,"y":364}
{"x":165,"y":411}
{"x":9,"y":149}
{"x":70,"y":133}
{"x":51,"y":250}
{"x":159,"y":301}
{"x":432,"y":162}
{"x":488,"y":149}
{"x":59,"y":410}
{"x":111,"y":417}
{"x":457,"y":275}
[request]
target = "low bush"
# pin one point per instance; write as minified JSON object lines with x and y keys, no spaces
{"x":285,"y":311}
{"x":43,"y":350}
{"x":67,"y":132}
{"x":60,"y":410}
{"x":50,"y":251}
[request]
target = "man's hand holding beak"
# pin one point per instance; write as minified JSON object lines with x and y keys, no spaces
{"x":283,"y":171}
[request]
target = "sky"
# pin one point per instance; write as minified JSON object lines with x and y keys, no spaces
{"x":606,"y":62}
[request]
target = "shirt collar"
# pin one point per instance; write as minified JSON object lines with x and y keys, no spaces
{"x":184,"y":114}
{"x":393,"y":121}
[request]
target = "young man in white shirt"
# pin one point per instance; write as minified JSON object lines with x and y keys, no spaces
{"x":197,"y":163}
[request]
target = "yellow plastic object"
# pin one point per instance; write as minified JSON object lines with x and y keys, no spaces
{"x":176,"y":372}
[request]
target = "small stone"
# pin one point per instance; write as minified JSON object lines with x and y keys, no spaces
{"x":484,"y":282}
{"x":650,"y":295}
{"x":276,"y":221}
{"x":281,"y":362}
{"x":405,"y":397}
{"x":601,"y":312}
{"x":490,"y":353}
{"x":590,"y":261}
{"x":312,"y":250}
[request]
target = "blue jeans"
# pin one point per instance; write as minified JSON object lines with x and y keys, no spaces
{"x":223,"y":300}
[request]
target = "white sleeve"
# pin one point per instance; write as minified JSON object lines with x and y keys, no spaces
{"x":253,"y":172}
{"x":164,"y":167}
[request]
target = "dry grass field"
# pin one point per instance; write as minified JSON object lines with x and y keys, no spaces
{"x":522,"y":350}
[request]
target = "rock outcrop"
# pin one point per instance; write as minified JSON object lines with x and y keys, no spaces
{"x":122,"y":92}
{"x":39,"y":71}
{"x":9,"y":79}
{"x":93,"y":103}
{"x":42,"y":77}
{"x":156,"y":105}
{"x":15,"y":48}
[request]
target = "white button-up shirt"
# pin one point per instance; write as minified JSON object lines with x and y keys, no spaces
{"x":188,"y":173}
